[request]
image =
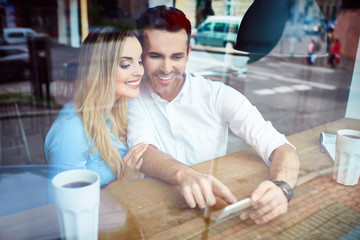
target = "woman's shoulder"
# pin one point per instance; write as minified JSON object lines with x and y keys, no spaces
{"x":68,"y":121}
{"x":67,"y":132}
{"x":67,"y":111}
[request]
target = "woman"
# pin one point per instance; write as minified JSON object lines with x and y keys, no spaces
{"x":90,"y":132}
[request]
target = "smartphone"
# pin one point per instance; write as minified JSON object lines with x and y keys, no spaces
{"x":233,"y":210}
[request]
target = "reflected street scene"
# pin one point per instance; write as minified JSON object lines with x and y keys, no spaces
{"x":74,"y":74}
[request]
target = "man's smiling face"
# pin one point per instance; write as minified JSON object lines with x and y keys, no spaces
{"x":165,"y":58}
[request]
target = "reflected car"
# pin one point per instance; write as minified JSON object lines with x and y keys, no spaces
{"x":313,"y":26}
{"x":17,"y":35}
{"x":14,"y":62}
{"x":217,"y":31}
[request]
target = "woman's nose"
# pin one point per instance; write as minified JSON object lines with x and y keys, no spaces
{"x":139,"y":69}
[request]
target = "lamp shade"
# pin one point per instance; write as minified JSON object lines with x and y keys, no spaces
{"x":282,"y":28}
{"x":262,"y":26}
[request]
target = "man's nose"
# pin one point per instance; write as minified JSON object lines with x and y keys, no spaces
{"x":166,"y":66}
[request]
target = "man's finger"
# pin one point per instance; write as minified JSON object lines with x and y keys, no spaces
{"x":206,"y":188}
{"x":244,"y":215}
{"x":223,"y":192}
{"x":270,"y":215}
{"x":189,"y":198}
{"x":198,"y":196}
{"x":261,"y":190}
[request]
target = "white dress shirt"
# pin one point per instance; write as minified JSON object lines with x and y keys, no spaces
{"x":193,"y":127}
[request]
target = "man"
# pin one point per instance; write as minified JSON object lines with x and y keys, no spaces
{"x":186,"y":119}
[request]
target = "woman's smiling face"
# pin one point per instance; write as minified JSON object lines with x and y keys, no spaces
{"x":130,"y":70}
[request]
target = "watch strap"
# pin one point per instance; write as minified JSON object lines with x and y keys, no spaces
{"x":286,"y":189}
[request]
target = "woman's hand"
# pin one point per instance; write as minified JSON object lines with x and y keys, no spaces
{"x":132,"y":162}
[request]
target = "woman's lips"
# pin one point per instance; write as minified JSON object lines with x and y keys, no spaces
{"x":133,"y":84}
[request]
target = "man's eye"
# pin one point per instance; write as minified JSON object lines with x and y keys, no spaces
{"x":154,"y":56}
{"x":177,"y":57}
{"x":140,"y":62}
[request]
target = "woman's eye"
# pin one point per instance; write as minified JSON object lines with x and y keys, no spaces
{"x":124,"y":66}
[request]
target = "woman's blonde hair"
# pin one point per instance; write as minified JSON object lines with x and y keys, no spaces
{"x":95,"y":98}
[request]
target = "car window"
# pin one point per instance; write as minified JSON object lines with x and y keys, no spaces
{"x":16,"y":51}
{"x":206,"y":27}
{"x":10,"y":52}
{"x":221,"y":27}
{"x":16,"y":35}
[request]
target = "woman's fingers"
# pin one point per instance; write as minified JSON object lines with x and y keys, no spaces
{"x":133,"y":157}
{"x":139,"y":163}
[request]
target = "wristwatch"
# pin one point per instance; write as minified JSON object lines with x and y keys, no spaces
{"x":285,"y":187}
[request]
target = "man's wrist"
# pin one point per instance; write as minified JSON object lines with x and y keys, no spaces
{"x":285,"y":188}
{"x":181,"y":173}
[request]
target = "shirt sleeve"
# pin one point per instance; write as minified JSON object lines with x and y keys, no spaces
{"x":246,"y":122}
{"x":66,"y":146}
{"x":140,"y":127}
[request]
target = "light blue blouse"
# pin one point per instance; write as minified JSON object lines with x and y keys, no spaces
{"x":66,"y":147}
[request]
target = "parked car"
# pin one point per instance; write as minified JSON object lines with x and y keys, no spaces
{"x":217,"y":31}
{"x":17,"y":35}
{"x":14,"y":63}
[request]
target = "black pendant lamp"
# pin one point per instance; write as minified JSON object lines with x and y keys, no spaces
{"x":262,"y":27}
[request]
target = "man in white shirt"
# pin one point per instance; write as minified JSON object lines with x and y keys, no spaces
{"x":186,"y":121}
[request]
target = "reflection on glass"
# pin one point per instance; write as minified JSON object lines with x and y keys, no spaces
{"x":287,"y":28}
{"x":305,"y":22}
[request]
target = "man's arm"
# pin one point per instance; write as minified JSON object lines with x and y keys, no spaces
{"x":285,"y":165}
{"x":197,"y":189}
{"x":268,"y":199}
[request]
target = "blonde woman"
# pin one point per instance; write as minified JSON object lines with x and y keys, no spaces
{"x":90,"y":132}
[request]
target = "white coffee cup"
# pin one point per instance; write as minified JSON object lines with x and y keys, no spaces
{"x":77,"y":205}
{"x":347,"y":157}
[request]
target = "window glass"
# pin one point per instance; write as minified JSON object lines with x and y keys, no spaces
{"x":16,"y":35}
{"x":220,"y":27}
{"x":206,"y":27}
{"x":298,"y":81}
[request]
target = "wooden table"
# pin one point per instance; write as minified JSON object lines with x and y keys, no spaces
{"x":151,"y":209}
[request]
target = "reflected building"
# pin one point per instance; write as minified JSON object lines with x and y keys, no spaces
{"x":330,"y":8}
{"x":67,"y":21}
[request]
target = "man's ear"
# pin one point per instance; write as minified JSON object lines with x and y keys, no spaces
{"x":189,"y":50}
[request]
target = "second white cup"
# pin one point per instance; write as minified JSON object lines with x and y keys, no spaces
{"x":347,"y":157}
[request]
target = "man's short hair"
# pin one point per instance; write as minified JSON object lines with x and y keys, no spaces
{"x":163,"y":18}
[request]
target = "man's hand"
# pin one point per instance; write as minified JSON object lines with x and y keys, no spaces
{"x":268,"y":203}
{"x":197,"y":189}
{"x":201,"y":189}
{"x":268,"y":200}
